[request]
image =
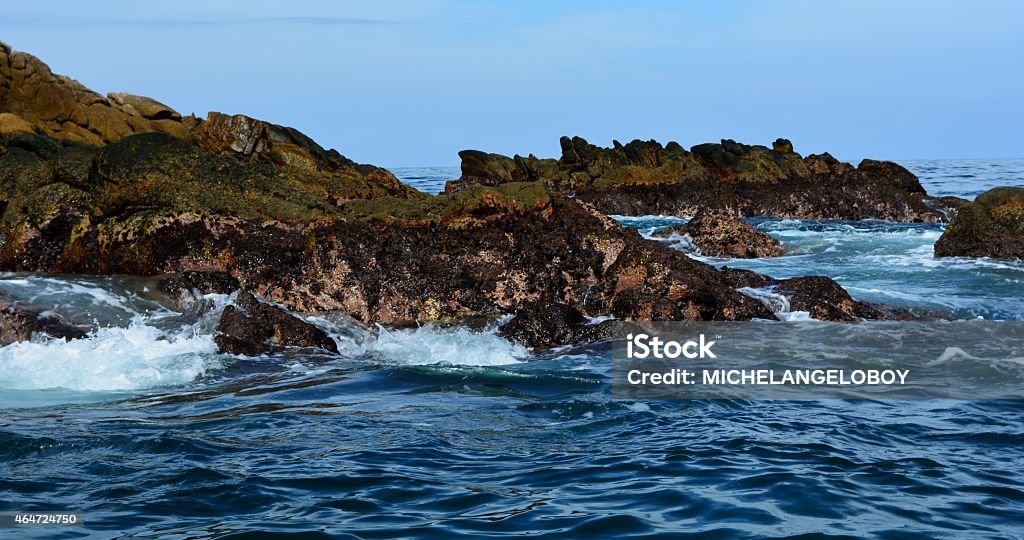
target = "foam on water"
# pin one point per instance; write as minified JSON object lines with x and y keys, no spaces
{"x":430,"y":345}
{"x":777,"y":302}
{"x":110,"y":359}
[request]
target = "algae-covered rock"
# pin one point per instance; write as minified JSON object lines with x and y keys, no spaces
{"x":991,"y":226}
{"x":644,"y":177}
{"x":238,"y":202}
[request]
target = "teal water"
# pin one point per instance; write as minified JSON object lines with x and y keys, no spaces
{"x":450,"y":432}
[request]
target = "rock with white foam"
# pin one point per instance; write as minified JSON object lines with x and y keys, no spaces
{"x":252,"y":327}
{"x":20,"y":321}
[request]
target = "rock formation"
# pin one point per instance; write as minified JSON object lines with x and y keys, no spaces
{"x":644,"y":177}
{"x":718,"y":234}
{"x":65,"y":109}
{"x":237,"y":200}
{"x":991,"y":226}
{"x":252,"y":327}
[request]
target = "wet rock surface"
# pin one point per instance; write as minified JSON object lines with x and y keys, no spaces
{"x":252,"y":327}
{"x":991,"y":226}
{"x":820,"y":296}
{"x":719,"y":234}
{"x":19,"y":321}
{"x":644,"y":177}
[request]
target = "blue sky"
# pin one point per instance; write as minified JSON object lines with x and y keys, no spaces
{"x":400,"y":83}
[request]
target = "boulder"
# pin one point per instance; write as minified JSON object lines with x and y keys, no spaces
{"x":252,"y":327}
{"x":991,"y":226}
{"x":718,"y":234}
{"x":65,"y":109}
{"x":145,"y":107}
{"x":19,"y":321}
{"x":644,"y":177}
{"x":12,"y":124}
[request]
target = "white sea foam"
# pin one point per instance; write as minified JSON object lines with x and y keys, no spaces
{"x":455,"y":346}
{"x":109,"y":359}
{"x":777,"y":302}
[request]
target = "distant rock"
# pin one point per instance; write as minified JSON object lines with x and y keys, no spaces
{"x":19,"y":321}
{"x":251,"y":327}
{"x":991,"y":226}
{"x":644,"y":177}
{"x":719,"y":234}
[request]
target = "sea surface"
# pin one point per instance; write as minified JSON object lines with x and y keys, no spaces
{"x":442,"y":433}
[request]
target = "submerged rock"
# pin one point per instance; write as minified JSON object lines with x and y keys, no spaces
{"x":991,"y":226}
{"x":719,"y":234}
{"x":644,"y":177}
{"x":251,"y":327}
{"x":19,"y":321}
{"x":820,"y":296}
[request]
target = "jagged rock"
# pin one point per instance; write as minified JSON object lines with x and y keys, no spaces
{"x":644,"y":177}
{"x":991,"y":226}
{"x":251,"y":327}
{"x":20,"y":320}
{"x":719,"y":234}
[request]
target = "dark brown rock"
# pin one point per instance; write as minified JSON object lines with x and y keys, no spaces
{"x":251,"y":327}
{"x":644,"y":177}
{"x":991,"y":226}
{"x":182,"y":289}
{"x":19,"y":321}
{"x":820,"y":296}
{"x":719,"y":234}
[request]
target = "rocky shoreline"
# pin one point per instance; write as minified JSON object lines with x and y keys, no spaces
{"x":126,"y":185}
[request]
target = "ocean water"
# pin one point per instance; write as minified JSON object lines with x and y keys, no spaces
{"x":437,"y":432}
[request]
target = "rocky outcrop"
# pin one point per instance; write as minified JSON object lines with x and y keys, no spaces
{"x":267,"y":208}
{"x":644,"y":177}
{"x":19,"y":321}
{"x":65,"y":109}
{"x":991,"y":226}
{"x":718,"y":234}
{"x":252,"y":327}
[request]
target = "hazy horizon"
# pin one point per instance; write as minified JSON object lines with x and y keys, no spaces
{"x":405,"y":83}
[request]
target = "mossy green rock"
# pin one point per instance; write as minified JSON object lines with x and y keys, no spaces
{"x":991,"y":226}
{"x":644,"y":177}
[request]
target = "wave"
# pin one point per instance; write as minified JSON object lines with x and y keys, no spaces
{"x":777,"y":302}
{"x":110,"y":359}
{"x":429,"y":345}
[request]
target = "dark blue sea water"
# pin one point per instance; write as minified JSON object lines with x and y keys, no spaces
{"x":457,"y":433}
